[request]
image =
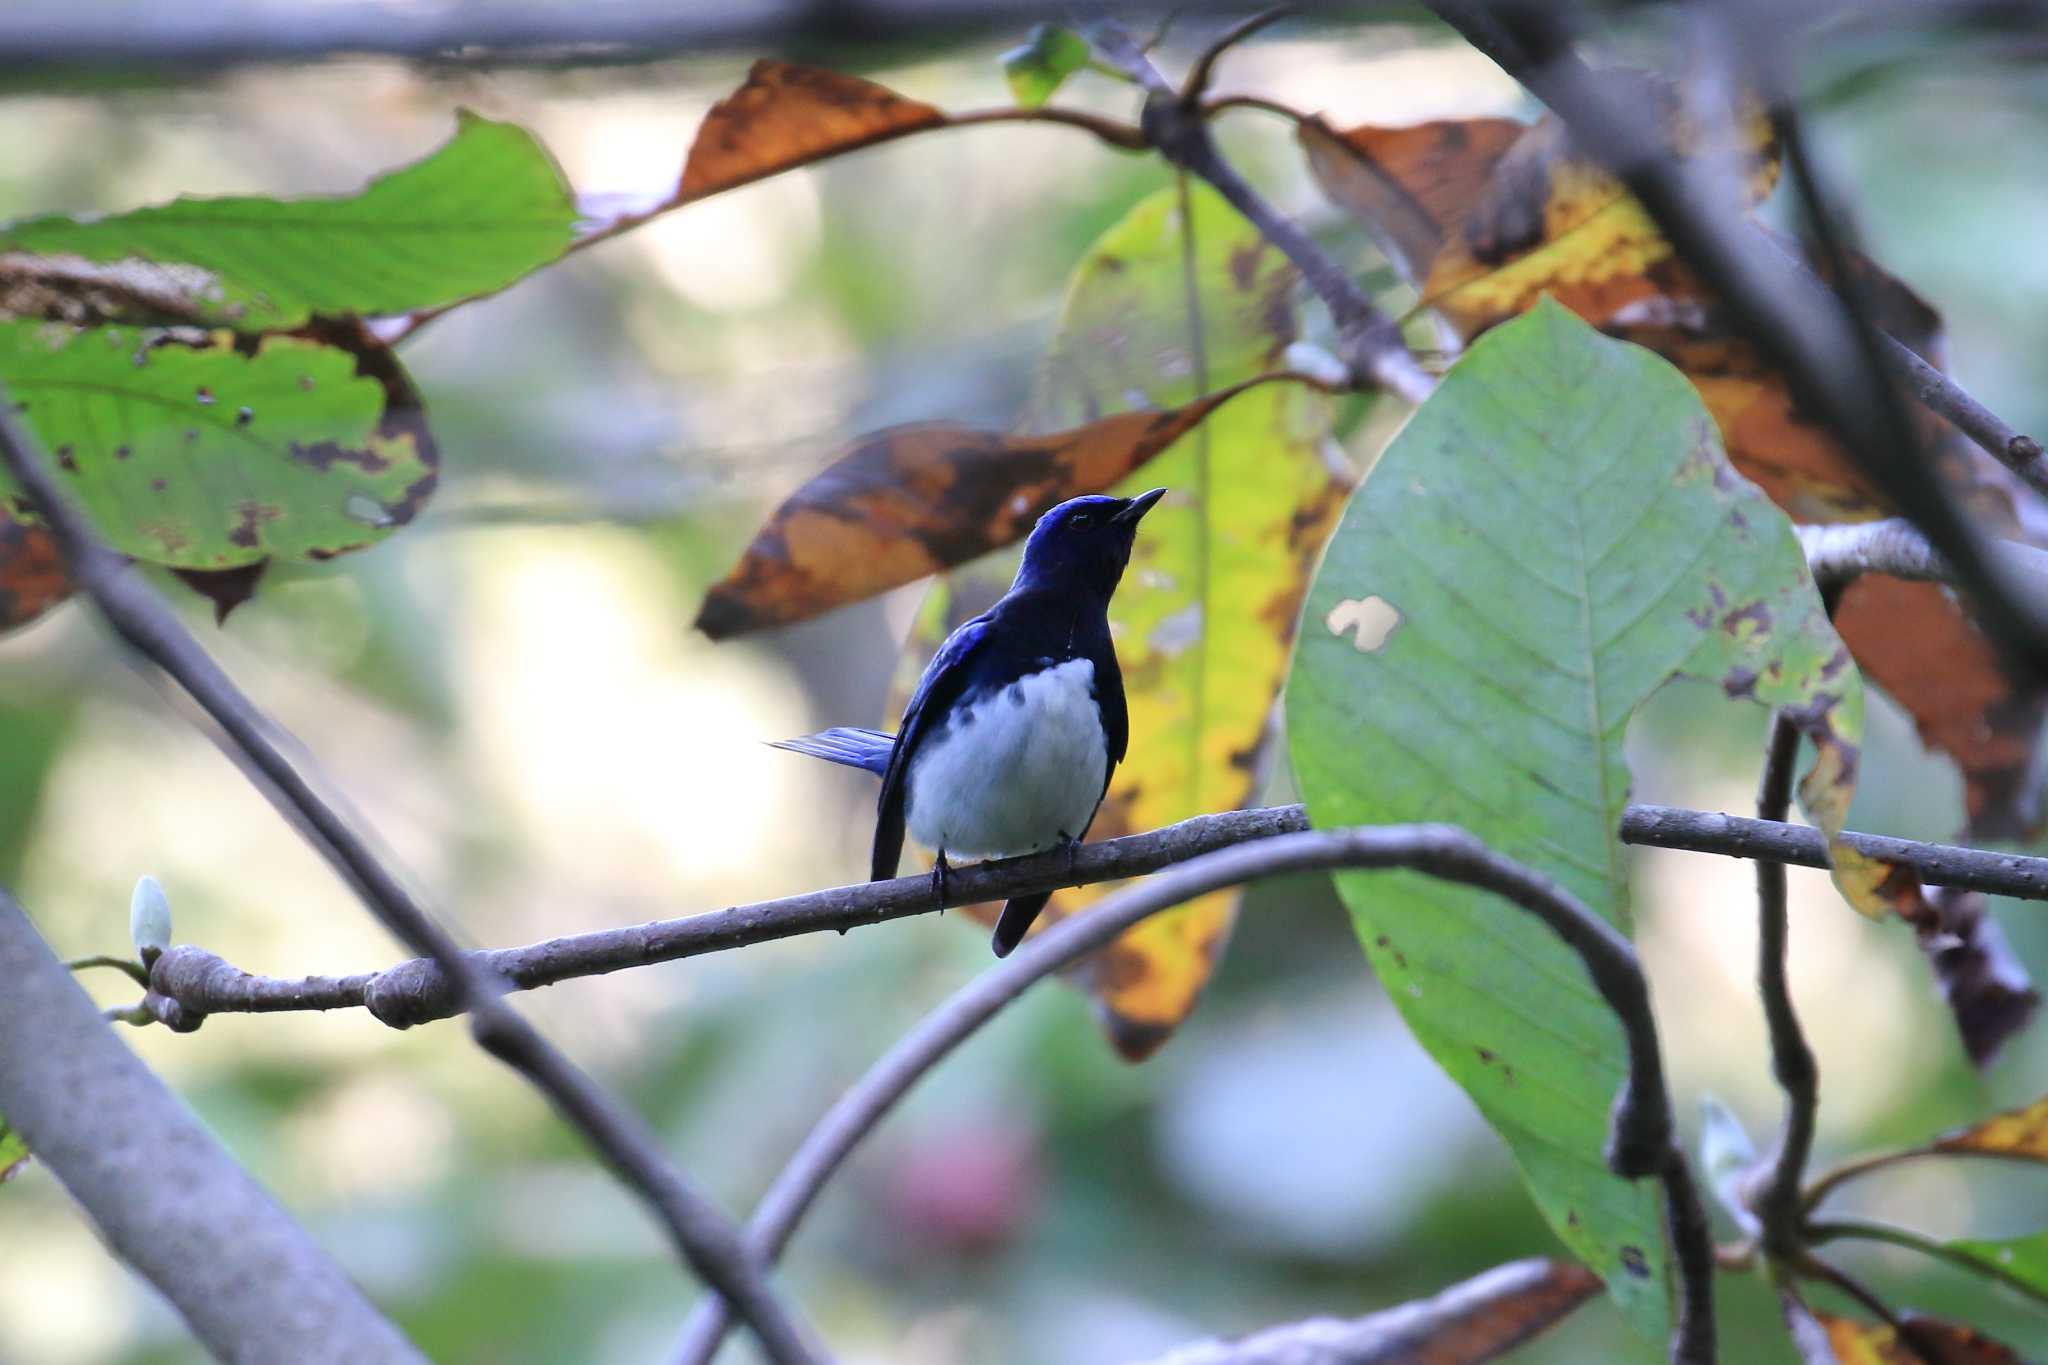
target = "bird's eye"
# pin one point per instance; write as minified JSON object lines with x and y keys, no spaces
{"x":1083,"y":519}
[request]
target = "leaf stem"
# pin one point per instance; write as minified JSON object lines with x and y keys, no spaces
{"x":1820,"y":1233}
{"x":132,"y":970}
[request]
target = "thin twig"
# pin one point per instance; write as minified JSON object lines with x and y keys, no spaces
{"x":1855,"y":1169}
{"x":417,"y":991}
{"x":1641,"y":1141}
{"x":1836,"y":1229}
{"x":1121,"y":136}
{"x":704,"y":1236}
{"x":1947,"y":399}
{"x":1368,"y":341}
{"x":1204,"y":70}
{"x":1792,"y":1062}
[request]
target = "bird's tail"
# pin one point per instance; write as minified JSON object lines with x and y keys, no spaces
{"x":846,"y":744}
{"x":1018,"y":912}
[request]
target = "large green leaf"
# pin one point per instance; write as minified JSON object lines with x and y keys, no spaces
{"x":485,"y":209}
{"x":1206,"y":611}
{"x":213,"y":456}
{"x":1553,"y":535}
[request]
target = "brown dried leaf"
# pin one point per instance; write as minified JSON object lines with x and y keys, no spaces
{"x":788,"y":115}
{"x":912,"y":500}
{"x":32,"y":577}
{"x":1411,"y":186}
{"x":1930,"y":1341}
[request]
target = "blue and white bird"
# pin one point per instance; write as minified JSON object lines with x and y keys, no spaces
{"x":1007,"y":745}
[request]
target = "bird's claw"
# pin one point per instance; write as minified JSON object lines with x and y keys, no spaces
{"x":940,"y":870}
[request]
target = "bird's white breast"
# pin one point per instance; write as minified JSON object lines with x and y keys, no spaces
{"x":1018,"y":769}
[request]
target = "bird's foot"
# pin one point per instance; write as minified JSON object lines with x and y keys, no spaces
{"x":940,"y":870}
{"x":1068,"y":847}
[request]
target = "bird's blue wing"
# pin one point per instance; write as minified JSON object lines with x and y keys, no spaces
{"x":945,"y":679}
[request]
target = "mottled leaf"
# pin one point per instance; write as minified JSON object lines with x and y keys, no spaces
{"x":218,"y":455}
{"x":1931,"y":1341}
{"x":487,"y":208}
{"x":2020,"y":1134}
{"x":32,"y":577}
{"x":1040,"y":65}
{"x":1553,"y":536}
{"x":1205,"y":614}
{"x":13,"y":1152}
{"x":909,"y":501}
{"x":787,"y":116}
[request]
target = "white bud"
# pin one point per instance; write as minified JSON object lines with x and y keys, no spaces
{"x":149,"y":919}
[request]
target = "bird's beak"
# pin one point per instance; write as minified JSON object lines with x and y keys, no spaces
{"x":1138,"y":507}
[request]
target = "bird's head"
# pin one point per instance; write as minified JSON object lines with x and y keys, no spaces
{"x":1084,"y":543}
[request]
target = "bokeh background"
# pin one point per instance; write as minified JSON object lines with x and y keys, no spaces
{"x":511,"y":693}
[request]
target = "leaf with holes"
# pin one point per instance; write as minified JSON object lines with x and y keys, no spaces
{"x":910,"y":501}
{"x":1552,"y":537}
{"x":214,"y":456}
{"x":487,"y":208}
{"x":1205,"y":614}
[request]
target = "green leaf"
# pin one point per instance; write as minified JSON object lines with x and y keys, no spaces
{"x":1050,"y":53}
{"x":1553,"y":535}
{"x":481,"y":212}
{"x":211,"y":457}
{"x":2020,"y":1262}
{"x":13,"y":1152}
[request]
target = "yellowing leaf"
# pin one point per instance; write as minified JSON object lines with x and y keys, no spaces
{"x":1205,"y":615}
{"x":2021,"y":1134}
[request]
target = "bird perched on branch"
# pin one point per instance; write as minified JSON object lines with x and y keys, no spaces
{"x":1007,"y":745}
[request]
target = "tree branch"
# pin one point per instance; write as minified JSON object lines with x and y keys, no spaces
{"x":1641,"y":1138}
{"x":199,"y":983}
{"x":1368,"y":341}
{"x":1492,"y":1312}
{"x":159,"y":1188}
{"x":1792,"y":1060}
{"x":703,"y":1235}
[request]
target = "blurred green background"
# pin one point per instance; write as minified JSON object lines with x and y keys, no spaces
{"x":511,"y":693}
